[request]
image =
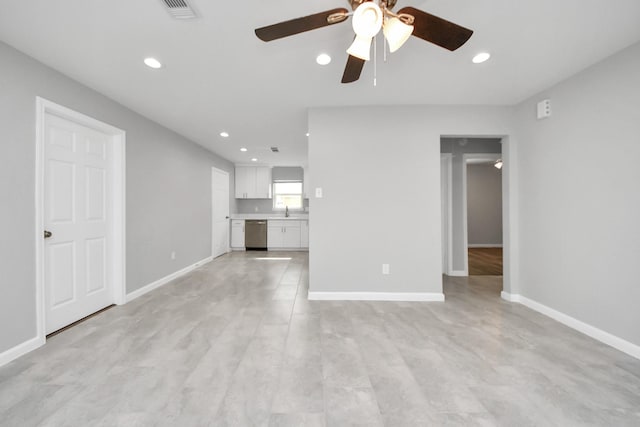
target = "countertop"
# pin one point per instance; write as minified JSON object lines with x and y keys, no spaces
{"x":272,"y":216}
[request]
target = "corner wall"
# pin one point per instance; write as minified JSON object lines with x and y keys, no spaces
{"x":165,"y":173}
{"x":579,"y":195}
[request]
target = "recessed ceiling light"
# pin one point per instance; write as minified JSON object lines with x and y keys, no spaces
{"x":224,"y":134}
{"x":481,"y":57}
{"x":243,"y":149}
{"x":254,"y":160}
{"x":307,"y":133}
{"x":323,"y":59}
{"x":152,"y":62}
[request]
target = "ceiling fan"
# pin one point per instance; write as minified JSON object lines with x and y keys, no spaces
{"x":369,"y":16}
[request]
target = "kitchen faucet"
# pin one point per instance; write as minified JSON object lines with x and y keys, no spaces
{"x":286,"y":211}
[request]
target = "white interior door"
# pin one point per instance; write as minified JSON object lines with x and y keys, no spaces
{"x":220,"y":212}
{"x":77,"y":200}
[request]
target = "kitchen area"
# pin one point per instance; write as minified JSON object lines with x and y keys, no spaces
{"x":273,"y":209}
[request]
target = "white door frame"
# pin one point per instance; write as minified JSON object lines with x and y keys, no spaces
{"x":118,"y":139}
{"x":448,"y":220}
{"x":213,"y":242}
{"x":490,"y":157}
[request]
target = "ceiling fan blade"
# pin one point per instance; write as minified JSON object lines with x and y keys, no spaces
{"x":300,"y":25}
{"x":353,"y":69}
{"x":436,"y":30}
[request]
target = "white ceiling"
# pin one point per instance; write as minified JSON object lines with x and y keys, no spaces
{"x":219,"y":76}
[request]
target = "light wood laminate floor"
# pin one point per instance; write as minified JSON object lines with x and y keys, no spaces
{"x":236,"y":343}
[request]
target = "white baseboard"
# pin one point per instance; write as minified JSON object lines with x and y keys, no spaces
{"x":458,"y":273}
{"x":375,"y":296}
{"x":21,"y":349}
{"x":484,"y":245}
{"x":160,"y":282}
{"x":598,"y":334}
{"x":510,"y":297}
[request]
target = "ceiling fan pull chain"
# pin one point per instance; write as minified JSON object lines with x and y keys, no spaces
{"x":375,"y":60}
{"x":384,"y":49}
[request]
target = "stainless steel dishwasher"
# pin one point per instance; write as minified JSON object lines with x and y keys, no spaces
{"x":255,"y":235}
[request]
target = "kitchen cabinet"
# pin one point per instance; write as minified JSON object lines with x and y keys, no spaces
{"x":283,"y":234}
{"x":263,"y":183}
{"x":304,"y":234}
{"x":237,"y":234}
{"x":253,"y":182}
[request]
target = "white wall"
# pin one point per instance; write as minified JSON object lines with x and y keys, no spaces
{"x":168,"y":189}
{"x":381,"y":185}
{"x":580,"y":196}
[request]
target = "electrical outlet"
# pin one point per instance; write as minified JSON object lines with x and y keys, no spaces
{"x":385,"y":269}
{"x":173,"y":255}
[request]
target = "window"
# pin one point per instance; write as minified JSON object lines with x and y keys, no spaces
{"x":287,"y":194}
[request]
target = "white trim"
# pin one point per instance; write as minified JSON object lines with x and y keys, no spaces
{"x":484,"y":245}
{"x":458,"y":273}
{"x":118,"y":231}
{"x":20,"y":350}
{"x":598,"y":334}
{"x":448,"y":157}
{"x":375,"y":296}
{"x":166,"y":279}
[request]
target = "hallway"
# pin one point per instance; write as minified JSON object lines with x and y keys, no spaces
{"x":237,"y":343}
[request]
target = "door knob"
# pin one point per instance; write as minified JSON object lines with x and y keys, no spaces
{"x":47,"y":234}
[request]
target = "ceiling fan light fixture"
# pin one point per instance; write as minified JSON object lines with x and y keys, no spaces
{"x":396,"y":32}
{"x":361,"y":47}
{"x":367,"y":19}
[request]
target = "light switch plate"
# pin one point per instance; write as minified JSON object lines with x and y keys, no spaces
{"x":319,"y":193}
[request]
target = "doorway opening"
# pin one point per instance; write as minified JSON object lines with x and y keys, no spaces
{"x":484,"y":214}
{"x":472,"y":194}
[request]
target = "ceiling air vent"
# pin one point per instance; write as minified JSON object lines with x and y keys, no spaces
{"x":179,"y":9}
{"x":275,"y":149}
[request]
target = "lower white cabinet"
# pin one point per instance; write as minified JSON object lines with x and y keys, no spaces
{"x":283,"y":234}
{"x":304,"y":234}
{"x":237,"y":234}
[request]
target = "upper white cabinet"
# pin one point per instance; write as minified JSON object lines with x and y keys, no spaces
{"x":253,"y":182}
{"x":263,"y":183}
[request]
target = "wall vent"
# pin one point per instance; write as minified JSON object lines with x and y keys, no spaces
{"x":275,"y":149}
{"x":180,"y":9}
